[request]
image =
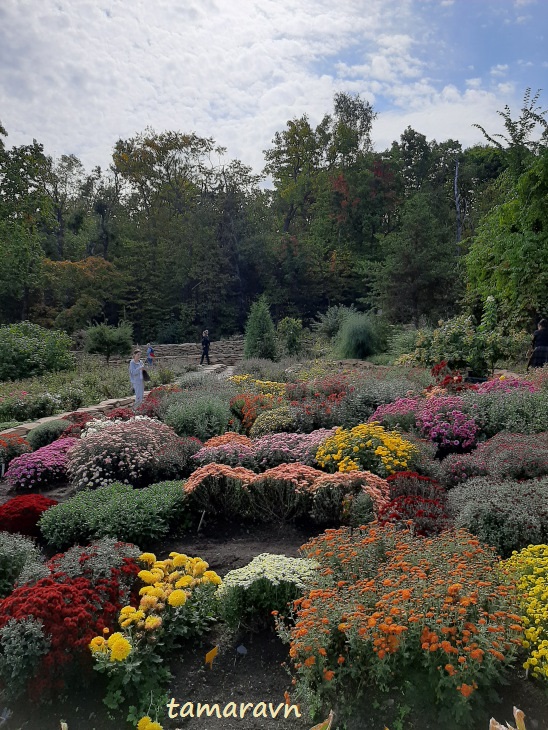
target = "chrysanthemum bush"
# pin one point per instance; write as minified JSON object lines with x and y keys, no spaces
{"x":286,"y":492}
{"x":275,"y":449}
{"x":516,"y":411}
{"x":229,"y":437}
{"x":505,"y":385}
{"x":506,"y":514}
{"x":136,"y":452}
{"x":266,"y":387}
{"x":282,"y":418}
{"x":367,"y":447}
{"x":21,"y":514}
{"x":504,"y":456}
{"x":177,"y":602}
{"x":231,"y":454}
{"x":245,"y":408}
{"x":42,"y":468}
{"x":70,"y":611}
{"x":17,"y":553}
{"x":451,"y":430}
{"x":249,"y":595}
{"x":415,"y":501}
{"x":529,"y":568}
{"x":135,"y":515}
{"x":434,"y":608}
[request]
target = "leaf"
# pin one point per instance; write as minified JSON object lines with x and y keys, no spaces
{"x":210,"y":656}
{"x":326,"y":724}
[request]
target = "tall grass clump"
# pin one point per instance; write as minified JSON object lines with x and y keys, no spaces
{"x":359,"y":337}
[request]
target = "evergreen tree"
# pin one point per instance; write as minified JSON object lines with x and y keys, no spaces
{"x":260,"y":334}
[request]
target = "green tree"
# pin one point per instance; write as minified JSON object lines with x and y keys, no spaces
{"x":103,"y":339}
{"x":417,"y":278}
{"x":260,"y":333}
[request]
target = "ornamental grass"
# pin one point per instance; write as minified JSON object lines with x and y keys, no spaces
{"x":403,"y":605}
{"x":367,"y":447}
{"x":529,"y":568}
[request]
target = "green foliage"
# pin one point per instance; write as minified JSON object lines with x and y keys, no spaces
{"x":105,"y":340}
{"x":46,"y":433}
{"x":518,"y":411}
{"x":268,"y":583}
{"x":359,"y":336}
{"x":289,"y":333}
{"x":276,"y":420}
{"x":402,"y":342}
{"x":27,"y":349}
{"x":509,"y":515}
{"x":22,"y":645}
{"x":134,"y":515}
{"x":260,"y":334}
{"x":202,"y":416}
{"x":16,"y":554}
{"x":329,"y":323}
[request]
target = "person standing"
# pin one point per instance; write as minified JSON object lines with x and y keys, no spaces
{"x":150,"y":355}
{"x":540,"y":346}
{"x":136,"y":376}
{"x":205,"y":347}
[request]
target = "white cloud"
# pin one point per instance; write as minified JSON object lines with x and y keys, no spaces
{"x":499,"y":70}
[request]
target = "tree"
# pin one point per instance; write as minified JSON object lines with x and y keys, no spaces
{"x":519,"y":145}
{"x":417,"y":277}
{"x":105,"y":340}
{"x":260,"y":334}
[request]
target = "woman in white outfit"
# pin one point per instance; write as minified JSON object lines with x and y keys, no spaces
{"x":136,"y":376}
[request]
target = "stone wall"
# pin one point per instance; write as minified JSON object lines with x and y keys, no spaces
{"x":227,"y":352}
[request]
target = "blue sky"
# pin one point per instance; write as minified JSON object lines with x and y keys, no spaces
{"x":79,"y":74}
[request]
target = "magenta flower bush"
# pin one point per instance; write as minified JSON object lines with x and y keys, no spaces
{"x":42,"y":468}
{"x":399,"y":413}
{"x":450,"y":429}
{"x":137,"y":452}
{"x":231,"y":454}
{"x":505,"y":386}
{"x":274,"y":449}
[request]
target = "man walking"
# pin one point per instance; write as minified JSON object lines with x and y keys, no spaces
{"x":205,"y":347}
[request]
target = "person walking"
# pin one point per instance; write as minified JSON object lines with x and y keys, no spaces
{"x":540,"y":346}
{"x":150,"y":355}
{"x":205,"y":347}
{"x":136,"y":376}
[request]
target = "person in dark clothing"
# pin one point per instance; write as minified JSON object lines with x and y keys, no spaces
{"x":205,"y":347}
{"x":540,"y":346}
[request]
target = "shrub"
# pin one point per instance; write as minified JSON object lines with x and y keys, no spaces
{"x":260,"y":335}
{"x":231,"y":454}
{"x":411,"y":484}
{"x":368,"y":395}
{"x":249,"y":595}
{"x":367,"y":447}
{"x":21,"y":514}
{"x":505,"y":514}
{"x":27,"y":406}
{"x":117,"y":511}
{"x":280,"y":419}
{"x":219,"y":490}
{"x":529,"y":569}
{"x":230,"y":437}
{"x":82,"y":609}
{"x":435,"y":607}
{"x":354,"y":498}
{"x":330,"y":322}
{"x":517,"y":411}
{"x":359,"y":337}
{"x":16,"y":553}
{"x":203,"y":416}
{"x":268,"y":370}
{"x":136,"y":452}
{"x":23,"y":644}
{"x":43,"y":468}
{"x":283,"y":493}
{"x":105,"y":340}
{"x":274,"y":449}
{"x":27,"y":349}
{"x":290,"y":333}
{"x":452,"y":431}
{"x":422,"y":515}
{"x":104,"y":559}
{"x":12,"y":446}
{"x":505,"y":456}
{"x":46,"y":433}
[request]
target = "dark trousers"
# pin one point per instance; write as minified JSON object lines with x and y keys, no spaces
{"x":205,"y":353}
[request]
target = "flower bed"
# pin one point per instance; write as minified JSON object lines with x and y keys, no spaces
{"x":43,"y":468}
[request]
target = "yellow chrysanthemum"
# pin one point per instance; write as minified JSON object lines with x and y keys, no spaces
{"x":146,"y":576}
{"x":127,"y":611}
{"x":152,"y":623}
{"x":98,"y":645}
{"x":120,"y":650}
{"x":113,"y":638}
{"x":180,"y":560}
{"x":144,"y":723}
{"x":177,"y":598}
{"x":149,"y":558}
{"x":210,"y":576}
{"x":184,"y":582}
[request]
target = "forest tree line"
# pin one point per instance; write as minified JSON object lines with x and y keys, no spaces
{"x":174,"y":237}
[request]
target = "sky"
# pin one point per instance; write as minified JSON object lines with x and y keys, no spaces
{"x":77,"y":75}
